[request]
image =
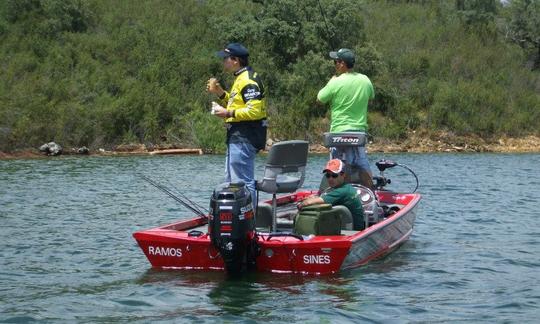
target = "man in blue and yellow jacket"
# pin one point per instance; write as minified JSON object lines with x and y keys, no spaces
{"x":244,"y":110}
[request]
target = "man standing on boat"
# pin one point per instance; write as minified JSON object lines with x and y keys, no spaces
{"x":244,"y":112}
{"x":339,"y":193}
{"x":348,"y":94}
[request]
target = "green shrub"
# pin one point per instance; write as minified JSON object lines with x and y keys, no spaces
{"x":104,"y":73}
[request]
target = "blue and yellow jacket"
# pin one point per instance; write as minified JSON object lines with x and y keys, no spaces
{"x":247,"y":100}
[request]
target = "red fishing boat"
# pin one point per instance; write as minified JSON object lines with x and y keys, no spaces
{"x":277,"y":237}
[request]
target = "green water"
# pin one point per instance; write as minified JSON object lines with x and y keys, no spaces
{"x":67,"y":254}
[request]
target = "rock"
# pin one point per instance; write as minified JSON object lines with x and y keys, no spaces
{"x":51,"y":149}
{"x":44,"y":148}
{"x":54,"y":149}
{"x":83,"y":150}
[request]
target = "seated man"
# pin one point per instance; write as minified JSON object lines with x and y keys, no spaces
{"x":339,"y":193}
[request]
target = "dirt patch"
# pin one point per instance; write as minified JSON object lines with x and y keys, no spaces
{"x":22,"y":154}
{"x":447,"y":142}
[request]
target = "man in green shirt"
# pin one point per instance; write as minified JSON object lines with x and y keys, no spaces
{"x":348,"y":94}
{"x":339,"y":193}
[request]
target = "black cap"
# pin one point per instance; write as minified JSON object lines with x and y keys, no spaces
{"x":233,"y":49}
{"x":344,"y":54}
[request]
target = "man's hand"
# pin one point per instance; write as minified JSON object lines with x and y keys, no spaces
{"x":214,"y":87}
{"x":311,"y":200}
{"x":221,"y":112}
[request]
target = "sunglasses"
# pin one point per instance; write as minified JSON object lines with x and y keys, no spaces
{"x":329,"y":175}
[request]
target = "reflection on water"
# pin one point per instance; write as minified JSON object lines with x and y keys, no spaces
{"x":236,"y":296}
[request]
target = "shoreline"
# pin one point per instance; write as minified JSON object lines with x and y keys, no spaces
{"x":413,"y":144}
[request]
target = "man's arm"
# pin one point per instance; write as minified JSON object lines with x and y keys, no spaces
{"x":213,"y":86}
{"x":311,"y":200}
{"x":326,"y":93}
{"x":252,"y":96}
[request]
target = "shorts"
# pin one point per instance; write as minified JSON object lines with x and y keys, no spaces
{"x":352,"y":155}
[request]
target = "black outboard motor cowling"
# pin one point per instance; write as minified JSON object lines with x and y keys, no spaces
{"x":232,"y":226}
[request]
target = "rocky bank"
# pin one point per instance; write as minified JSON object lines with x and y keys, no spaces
{"x":415,"y":143}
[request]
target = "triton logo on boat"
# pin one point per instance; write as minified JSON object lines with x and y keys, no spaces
{"x":316,"y":259}
{"x":163,"y":251}
{"x":343,"y":139}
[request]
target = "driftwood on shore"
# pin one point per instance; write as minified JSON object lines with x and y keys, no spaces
{"x":177,"y":151}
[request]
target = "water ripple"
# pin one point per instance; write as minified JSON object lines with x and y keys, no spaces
{"x":67,"y":254}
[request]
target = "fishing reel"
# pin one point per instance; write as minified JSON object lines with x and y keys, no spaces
{"x":381,"y":181}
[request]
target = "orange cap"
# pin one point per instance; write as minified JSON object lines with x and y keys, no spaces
{"x":334,"y":165}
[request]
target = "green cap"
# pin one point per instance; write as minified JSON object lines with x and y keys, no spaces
{"x":344,"y":54}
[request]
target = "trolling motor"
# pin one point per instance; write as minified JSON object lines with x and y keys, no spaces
{"x":381,"y":181}
{"x":232,"y":226}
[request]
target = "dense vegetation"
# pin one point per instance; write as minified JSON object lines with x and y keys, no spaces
{"x":101,"y":73}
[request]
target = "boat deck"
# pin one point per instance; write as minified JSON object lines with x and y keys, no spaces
{"x":204,"y":229}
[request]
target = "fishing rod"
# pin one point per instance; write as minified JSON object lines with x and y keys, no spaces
{"x":172,"y":195}
{"x":329,"y":35}
{"x":200,"y":208}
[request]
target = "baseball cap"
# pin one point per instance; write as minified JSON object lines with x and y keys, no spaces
{"x":233,"y":49}
{"x":334,"y":166}
{"x":344,"y":54}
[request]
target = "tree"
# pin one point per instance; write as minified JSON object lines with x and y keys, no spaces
{"x":524,"y":26}
{"x":291,"y":39}
{"x":477,"y":12}
{"x":51,"y":16}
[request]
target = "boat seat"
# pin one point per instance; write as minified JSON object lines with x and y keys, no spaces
{"x":284,"y":171}
{"x":319,"y":219}
{"x":284,"y":158}
{"x":284,"y":218}
{"x":346,"y":217}
{"x":263,"y":218}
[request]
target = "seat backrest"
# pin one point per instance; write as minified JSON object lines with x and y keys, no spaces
{"x":320,"y":219}
{"x":346,"y":217}
{"x":284,"y":157}
{"x":263,"y":217}
{"x":288,"y":154}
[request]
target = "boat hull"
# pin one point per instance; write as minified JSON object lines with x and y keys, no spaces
{"x":184,"y":245}
{"x":382,"y":238}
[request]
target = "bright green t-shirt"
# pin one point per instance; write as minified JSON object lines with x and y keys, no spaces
{"x":348,"y":96}
{"x":347,"y":196}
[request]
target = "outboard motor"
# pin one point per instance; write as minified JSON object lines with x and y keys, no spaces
{"x":232,"y":226}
